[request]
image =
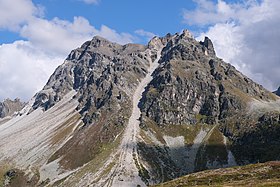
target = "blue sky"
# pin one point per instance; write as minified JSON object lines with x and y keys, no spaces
{"x":156,"y":16}
{"x":37,"y":35}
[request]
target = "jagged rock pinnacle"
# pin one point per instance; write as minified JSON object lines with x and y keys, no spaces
{"x":187,"y":33}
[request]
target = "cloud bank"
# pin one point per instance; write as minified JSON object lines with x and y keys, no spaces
{"x":26,"y":65}
{"x":244,"y":34}
{"x":24,"y":69}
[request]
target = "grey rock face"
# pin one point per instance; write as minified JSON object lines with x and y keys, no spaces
{"x":277,"y":92}
{"x":9,"y":107}
{"x":102,"y":73}
{"x":191,"y":82}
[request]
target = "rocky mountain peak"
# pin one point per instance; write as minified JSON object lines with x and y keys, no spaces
{"x":187,"y":33}
{"x":154,"y":42}
{"x":208,"y":47}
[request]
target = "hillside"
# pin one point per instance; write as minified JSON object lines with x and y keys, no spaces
{"x":262,"y":174}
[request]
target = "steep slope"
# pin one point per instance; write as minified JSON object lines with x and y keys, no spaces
{"x":109,"y":109}
{"x":125,"y":171}
{"x":27,"y":140}
{"x":265,"y":174}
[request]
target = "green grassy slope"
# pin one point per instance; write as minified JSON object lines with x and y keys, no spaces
{"x":261,"y":174}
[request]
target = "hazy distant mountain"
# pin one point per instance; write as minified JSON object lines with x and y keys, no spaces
{"x":127,"y":115}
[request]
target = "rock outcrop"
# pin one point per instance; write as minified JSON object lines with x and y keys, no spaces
{"x":10,"y":107}
{"x":277,"y":92}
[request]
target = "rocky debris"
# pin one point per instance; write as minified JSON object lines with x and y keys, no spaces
{"x":10,"y":107}
{"x":11,"y":173}
{"x":277,"y":92}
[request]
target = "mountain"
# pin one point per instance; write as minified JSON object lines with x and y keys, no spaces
{"x":261,"y":174}
{"x":8,"y":107}
{"x":127,"y":115}
{"x":277,"y":92}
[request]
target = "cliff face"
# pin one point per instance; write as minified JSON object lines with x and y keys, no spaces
{"x":197,"y":112}
{"x":277,"y":92}
{"x":192,"y":81}
{"x":204,"y":109}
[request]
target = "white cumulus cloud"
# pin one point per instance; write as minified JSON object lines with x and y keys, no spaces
{"x":148,"y":35}
{"x":245,"y":34}
{"x":26,"y":65}
{"x":24,"y":69}
{"x":13,"y":13}
{"x":90,"y":1}
{"x":57,"y":36}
